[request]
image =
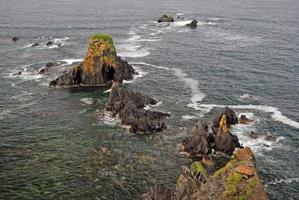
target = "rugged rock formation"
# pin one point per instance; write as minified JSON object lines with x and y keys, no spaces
{"x":15,"y":39}
{"x":129,"y":108}
{"x":231,"y":118}
{"x":100,"y":67}
{"x":49,"y":43}
{"x":165,"y":18}
{"x":199,"y":144}
{"x":237,"y":180}
{"x":192,"y":24}
{"x":203,"y":142}
{"x":245,"y":120}
{"x":46,"y":68}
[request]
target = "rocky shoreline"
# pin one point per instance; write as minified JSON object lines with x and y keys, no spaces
{"x":222,"y":168}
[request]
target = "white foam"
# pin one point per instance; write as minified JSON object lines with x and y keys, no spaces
{"x":283,"y":181}
{"x":4,"y":113}
{"x":71,"y":61}
{"x":181,"y":23}
{"x":151,"y":65}
{"x":135,"y":54}
{"x":197,"y":95}
{"x":107,"y":91}
{"x":179,"y":14}
{"x":248,"y":97}
{"x":88,"y":101}
{"x":188,"y":117}
{"x":148,"y":107}
{"x":214,"y":19}
{"x":140,"y":74}
{"x":249,"y":115}
{"x":276,"y":114}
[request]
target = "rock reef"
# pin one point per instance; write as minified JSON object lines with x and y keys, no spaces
{"x":165,"y":18}
{"x":100,"y":67}
{"x":129,"y":107}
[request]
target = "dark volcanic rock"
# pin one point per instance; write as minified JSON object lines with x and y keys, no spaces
{"x":46,"y":68}
{"x":231,"y":118}
{"x":192,"y":24}
{"x":253,"y":135}
{"x":129,"y":107}
{"x":34,"y":45}
{"x":244,"y":120}
{"x":165,"y":18}
{"x":199,"y":144}
{"x":15,"y":39}
{"x":49,"y":43}
{"x":100,"y":67}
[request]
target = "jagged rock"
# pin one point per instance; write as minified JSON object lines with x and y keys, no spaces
{"x":15,"y":39}
{"x":165,"y":18}
{"x":100,"y":67}
{"x":129,"y":107}
{"x":253,"y":135}
{"x":270,"y":138}
{"x":224,"y":140}
{"x":199,"y":144}
{"x":244,"y":120}
{"x":159,"y":192}
{"x":49,"y":43}
{"x":231,"y":119}
{"x":192,"y":24}
{"x":19,"y":72}
{"x":46,"y":68}
{"x":34,"y":45}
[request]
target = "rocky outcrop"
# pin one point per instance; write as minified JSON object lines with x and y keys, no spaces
{"x":199,"y":144}
{"x":192,"y":24}
{"x":165,"y":18}
{"x":15,"y":39}
{"x":244,"y":120}
{"x":129,"y":107}
{"x":100,"y":67}
{"x":46,"y":68}
{"x":237,"y":179}
{"x":203,"y":142}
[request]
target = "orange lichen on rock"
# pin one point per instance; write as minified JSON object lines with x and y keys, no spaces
{"x":223,"y":126}
{"x":246,"y":170}
{"x":244,"y":154}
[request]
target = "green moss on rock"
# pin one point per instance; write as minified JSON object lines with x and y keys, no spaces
{"x":197,"y":167}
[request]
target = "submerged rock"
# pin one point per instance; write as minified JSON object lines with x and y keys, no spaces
{"x":100,"y":67}
{"x":165,"y":18}
{"x":129,"y":106}
{"x":34,"y":45}
{"x":192,"y":24}
{"x":46,"y":68}
{"x":253,"y":135}
{"x":245,"y":120}
{"x":49,"y":43}
{"x":15,"y":39}
{"x":19,"y":72}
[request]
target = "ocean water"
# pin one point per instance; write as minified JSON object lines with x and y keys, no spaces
{"x":243,"y":54}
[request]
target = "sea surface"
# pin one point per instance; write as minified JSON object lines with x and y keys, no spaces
{"x":244,"y":54}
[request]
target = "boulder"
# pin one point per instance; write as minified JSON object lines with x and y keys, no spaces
{"x":192,"y":24}
{"x":253,"y":135}
{"x":46,"y":68}
{"x":49,"y":43}
{"x":34,"y":45}
{"x":129,"y":106}
{"x":244,"y":120}
{"x":100,"y":67}
{"x":15,"y":39}
{"x":165,"y":18}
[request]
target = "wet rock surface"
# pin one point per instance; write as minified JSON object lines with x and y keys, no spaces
{"x":165,"y":18}
{"x":129,"y":107}
{"x":100,"y":67}
{"x":192,"y":24}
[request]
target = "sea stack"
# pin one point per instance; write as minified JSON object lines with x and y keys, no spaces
{"x":100,"y":67}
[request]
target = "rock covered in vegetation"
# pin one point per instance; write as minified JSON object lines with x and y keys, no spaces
{"x":100,"y":66}
{"x":165,"y":18}
{"x":129,"y":108}
{"x":237,"y":180}
{"x":192,"y":24}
